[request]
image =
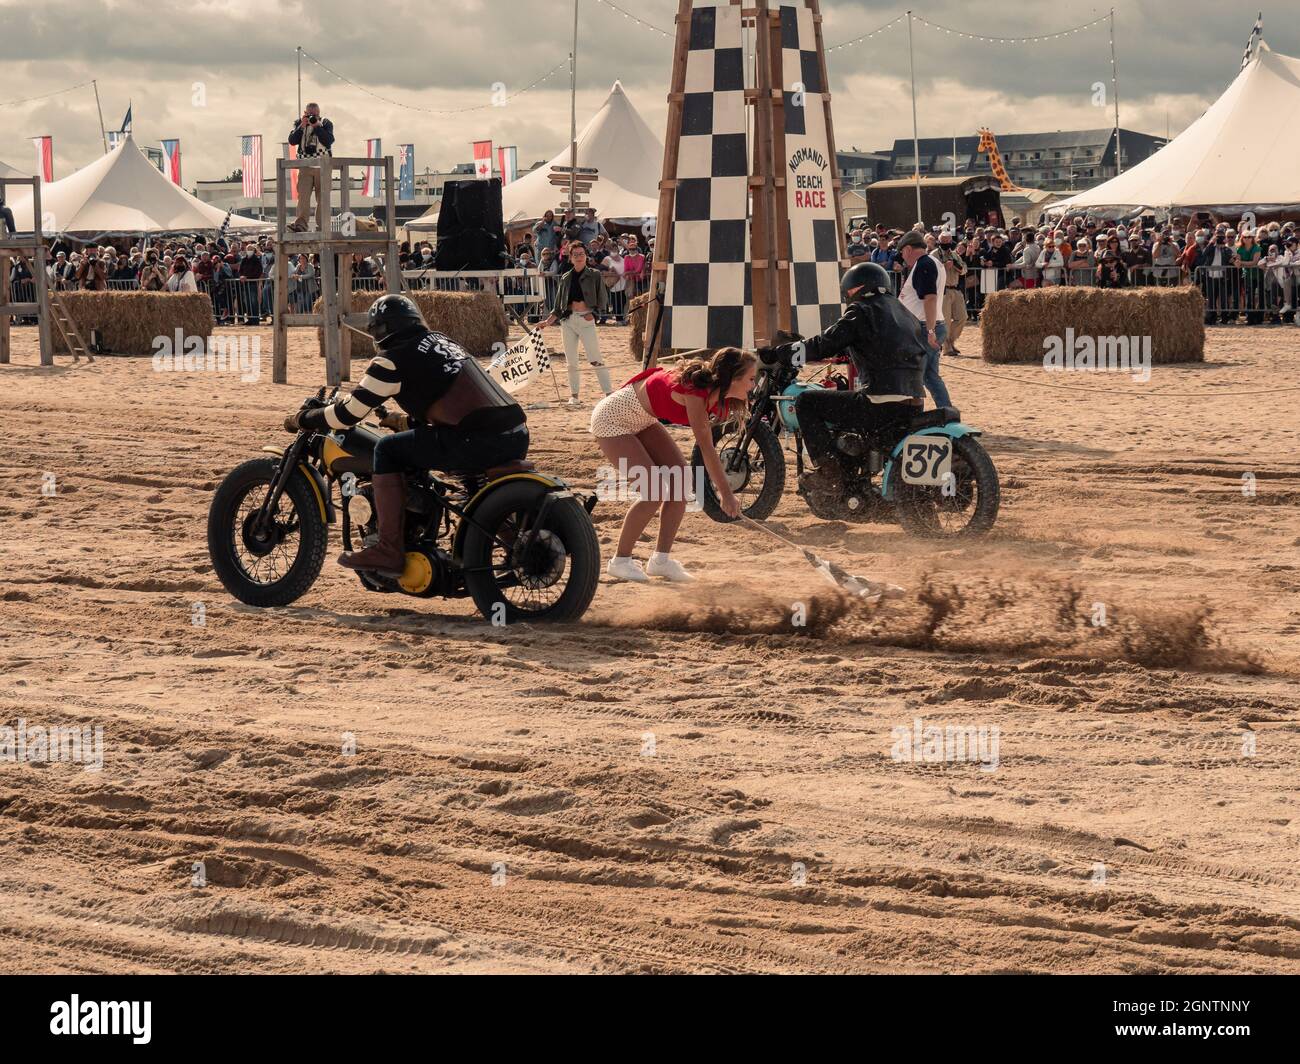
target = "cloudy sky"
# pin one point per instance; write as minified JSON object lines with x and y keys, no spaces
{"x":207,"y":71}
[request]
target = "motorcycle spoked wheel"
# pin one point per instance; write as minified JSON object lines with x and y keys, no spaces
{"x":549,"y":576}
{"x":758,"y":483}
{"x":969,"y":511}
{"x":270,"y":566}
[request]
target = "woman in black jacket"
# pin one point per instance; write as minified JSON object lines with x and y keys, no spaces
{"x":579,"y":297}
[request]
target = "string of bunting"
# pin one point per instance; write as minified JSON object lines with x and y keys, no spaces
{"x":1013,"y":40}
{"x":433,"y":110}
{"x":638,"y":21}
{"x":45,"y":96}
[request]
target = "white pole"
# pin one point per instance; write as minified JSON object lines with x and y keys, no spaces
{"x":954,"y":155}
{"x":299,"y":51}
{"x":573,"y":115}
{"x":916,"y":140}
{"x":1114,"y":91}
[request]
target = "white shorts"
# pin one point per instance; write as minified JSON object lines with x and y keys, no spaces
{"x":620,"y":414}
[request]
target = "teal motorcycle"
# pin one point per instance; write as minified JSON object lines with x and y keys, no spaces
{"x":929,"y":473}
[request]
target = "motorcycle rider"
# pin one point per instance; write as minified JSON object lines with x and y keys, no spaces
{"x":457,"y":418}
{"x":888,"y":346}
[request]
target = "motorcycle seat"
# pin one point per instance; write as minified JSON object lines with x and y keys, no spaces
{"x":944,"y":415}
{"x":521,"y":465}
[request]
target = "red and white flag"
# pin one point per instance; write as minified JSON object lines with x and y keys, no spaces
{"x":172,"y":154}
{"x":251,"y":161}
{"x":291,"y":152}
{"x":483,"y":159}
{"x":508,"y":164}
{"x":44,"y":157}
{"x":370,"y":186}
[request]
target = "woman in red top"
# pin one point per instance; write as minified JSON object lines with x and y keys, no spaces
{"x":647,"y":460}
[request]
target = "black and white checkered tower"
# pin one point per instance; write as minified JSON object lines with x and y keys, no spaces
{"x":753,"y":240}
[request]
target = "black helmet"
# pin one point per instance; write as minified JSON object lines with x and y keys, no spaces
{"x":392,"y":315}
{"x":869,"y":275}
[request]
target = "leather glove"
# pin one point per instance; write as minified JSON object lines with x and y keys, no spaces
{"x":293,"y":423}
{"x":397,"y":421}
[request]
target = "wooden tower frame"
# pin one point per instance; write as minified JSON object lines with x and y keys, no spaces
{"x":48,"y":308}
{"x":769,"y":231}
{"x":335,"y":249}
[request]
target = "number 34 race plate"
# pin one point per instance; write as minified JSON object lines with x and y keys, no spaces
{"x":927,"y":460}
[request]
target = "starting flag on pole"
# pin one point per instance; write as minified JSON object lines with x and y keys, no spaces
{"x":518,"y":366}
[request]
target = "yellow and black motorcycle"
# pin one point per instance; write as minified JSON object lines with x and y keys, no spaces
{"x":514,"y":539}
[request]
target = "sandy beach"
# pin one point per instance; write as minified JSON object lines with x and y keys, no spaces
{"x":681,"y":782}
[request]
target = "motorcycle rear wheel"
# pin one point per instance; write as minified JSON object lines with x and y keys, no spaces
{"x":926,"y":511}
{"x":552,"y":577}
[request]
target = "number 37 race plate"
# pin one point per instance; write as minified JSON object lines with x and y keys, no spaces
{"x":927,"y":460}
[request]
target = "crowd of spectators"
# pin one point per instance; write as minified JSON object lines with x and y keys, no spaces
{"x":1248,"y":273}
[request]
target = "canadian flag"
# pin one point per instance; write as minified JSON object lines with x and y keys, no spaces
{"x":483,"y":159}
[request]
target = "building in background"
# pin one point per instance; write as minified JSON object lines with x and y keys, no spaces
{"x":858,"y":169}
{"x":1061,"y":161}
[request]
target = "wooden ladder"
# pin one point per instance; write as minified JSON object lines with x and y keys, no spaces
{"x":62,"y":319}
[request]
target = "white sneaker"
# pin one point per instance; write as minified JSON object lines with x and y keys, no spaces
{"x":669,"y":568}
{"x":574,"y":401}
{"x":626,"y":569}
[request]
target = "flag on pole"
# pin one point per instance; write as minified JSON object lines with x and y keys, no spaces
{"x":172,"y":152}
{"x":126,"y":121}
{"x":370,"y":186}
{"x":251,"y":161}
{"x":508,"y":164}
{"x":1253,"y":42}
{"x":44,"y":157}
{"x":291,"y":152}
{"x":520,"y":365}
{"x":483,"y":159}
{"x":406,"y":172}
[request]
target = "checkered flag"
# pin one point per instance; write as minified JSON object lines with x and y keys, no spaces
{"x":538,"y":347}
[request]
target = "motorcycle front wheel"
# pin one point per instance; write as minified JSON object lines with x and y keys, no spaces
{"x":758,"y":479}
{"x":269,"y":563}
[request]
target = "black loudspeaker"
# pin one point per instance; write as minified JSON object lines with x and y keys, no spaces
{"x":471,"y":233}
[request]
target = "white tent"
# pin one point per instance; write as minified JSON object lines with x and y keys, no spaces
{"x":1241,"y":155}
{"x":628,"y":159}
{"x":122,"y":192}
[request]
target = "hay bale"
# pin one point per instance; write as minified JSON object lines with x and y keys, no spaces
{"x":131,"y":321}
{"x":475,"y":320}
{"x":637,"y":309}
{"x":1014,"y":325}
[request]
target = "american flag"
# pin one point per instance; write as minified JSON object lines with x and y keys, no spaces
{"x":251,"y":160}
{"x":1253,"y":41}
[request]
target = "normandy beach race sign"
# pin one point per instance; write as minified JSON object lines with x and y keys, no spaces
{"x":810,"y":194}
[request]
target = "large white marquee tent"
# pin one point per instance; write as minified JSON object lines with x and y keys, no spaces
{"x":1241,"y":155}
{"x":121,"y":192}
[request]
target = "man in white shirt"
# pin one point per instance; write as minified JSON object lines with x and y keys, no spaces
{"x":922,"y":294}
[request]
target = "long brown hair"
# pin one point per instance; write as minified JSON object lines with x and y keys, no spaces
{"x":713,"y":371}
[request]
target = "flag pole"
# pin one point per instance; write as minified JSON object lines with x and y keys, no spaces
{"x":916,"y":141}
{"x":1114,"y":91}
{"x":573,"y":115}
{"x":298,"y":50}
{"x":103,"y":135}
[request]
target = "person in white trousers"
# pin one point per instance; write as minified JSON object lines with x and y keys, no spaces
{"x":579,"y":296}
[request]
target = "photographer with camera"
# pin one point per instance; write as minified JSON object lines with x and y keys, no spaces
{"x":314,"y":137}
